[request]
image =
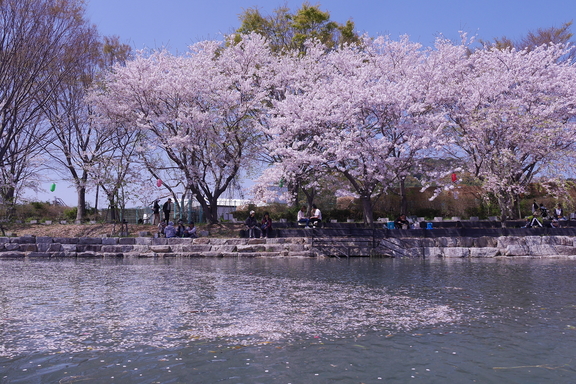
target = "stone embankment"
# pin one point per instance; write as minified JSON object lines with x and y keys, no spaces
{"x":47,"y":247}
{"x":414,"y":247}
{"x":476,"y":247}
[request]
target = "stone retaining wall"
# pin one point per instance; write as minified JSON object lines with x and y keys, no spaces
{"x":536,"y":246}
{"x":450,"y":247}
{"x":47,"y":247}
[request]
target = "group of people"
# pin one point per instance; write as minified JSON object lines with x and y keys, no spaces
{"x":540,"y":213}
{"x":253,"y":227}
{"x":315,"y":218}
{"x":166,"y":227}
{"x":167,"y":208}
{"x":169,"y":230}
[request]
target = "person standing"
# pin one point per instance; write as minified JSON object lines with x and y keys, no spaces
{"x":167,"y":208}
{"x":156,"y":212}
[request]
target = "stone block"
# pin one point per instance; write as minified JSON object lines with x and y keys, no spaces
{"x":255,"y":241}
{"x":63,"y":254}
{"x":144,"y":255}
{"x":43,"y":239}
{"x":224,"y":248}
{"x":109,"y":240}
{"x":69,"y":247}
{"x":89,"y":240}
{"x":111,"y":255}
{"x":505,"y":241}
{"x":24,"y":240}
{"x":414,"y":252}
{"x":196,"y":248}
{"x":66,"y":240}
{"x":127,"y":240}
{"x":11,"y":246}
{"x":485,"y":241}
{"x":160,"y":248}
{"x":553,"y":250}
{"x":88,"y":254}
{"x":447,"y":242}
{"x":484,"y":252}
{"x":49,"y":247}
{"x":516,"y":250}
{"x":143,"y":240}
{"x":532,"y":240}
{"x":140,"y":248}
{"x":231,"y":241}
{"x":179,"y":240}
{"x":433,"y":252}
{"x":251,"y":248}
{"x":558,"y":240}
{"x":42,"y":255}
{"x":88,"y":247}
{"x":456,"y":252}
{"x":12,"y":255}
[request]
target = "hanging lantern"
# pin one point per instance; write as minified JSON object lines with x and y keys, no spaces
{"x":53,"y":187}
{"x":454,"y":178}
{"x":159,"y":182}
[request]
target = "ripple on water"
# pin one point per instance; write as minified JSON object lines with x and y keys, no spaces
{"x":68,"y":308}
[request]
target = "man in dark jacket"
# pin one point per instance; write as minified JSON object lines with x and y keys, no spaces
{"x":251,"y":224}
{"x":167,"y":208}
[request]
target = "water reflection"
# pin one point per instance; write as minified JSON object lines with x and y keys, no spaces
{"x":254,"y":320}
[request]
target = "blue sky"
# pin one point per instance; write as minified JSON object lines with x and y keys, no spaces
{"x":176,"y":24}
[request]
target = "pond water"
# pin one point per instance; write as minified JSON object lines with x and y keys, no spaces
{"x":287,"y":321}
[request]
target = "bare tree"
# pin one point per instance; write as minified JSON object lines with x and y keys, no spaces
{"x":533,"y":39}
{"x":39,"y":48}
{"x":77,"y":144}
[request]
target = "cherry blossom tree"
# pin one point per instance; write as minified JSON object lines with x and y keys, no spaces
{"x":511,"y":117}
{"x":200,"y":111}
{"x":360,"y":113}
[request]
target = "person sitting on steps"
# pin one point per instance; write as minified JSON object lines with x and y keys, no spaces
{"x":302,"y":218}
{"x":316,"y":218}
{"x":251,"y":224}
{"x":401,"y":222}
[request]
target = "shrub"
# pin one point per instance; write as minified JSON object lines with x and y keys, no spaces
{"x":70,"y":213}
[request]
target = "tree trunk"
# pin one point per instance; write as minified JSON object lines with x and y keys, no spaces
{"x":8,"y":194}
{"x":403,"y":199}
{"x":81,"y":212}
{"x":367,"y":208}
